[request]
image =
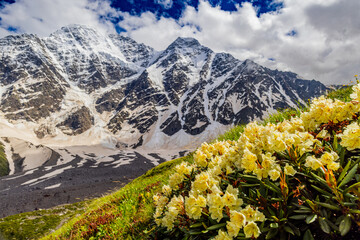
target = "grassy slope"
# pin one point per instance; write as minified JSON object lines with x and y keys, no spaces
{"x":33,"y":225}
{"x":4,"y":164}
{"x":127,"y":213}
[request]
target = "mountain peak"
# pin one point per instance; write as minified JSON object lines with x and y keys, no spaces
{"x":77,"y":27}
{"x":186,"y":44}
{"x":77,"y":32}
{"x":250,"y":65}
{"x":187,"y":41}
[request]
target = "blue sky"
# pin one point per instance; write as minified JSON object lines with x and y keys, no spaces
{"x":318,"y":39}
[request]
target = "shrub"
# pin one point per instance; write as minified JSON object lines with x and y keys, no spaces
{"x":296,"y":179}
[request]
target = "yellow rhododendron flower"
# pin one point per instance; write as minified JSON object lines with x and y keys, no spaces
{"x":160,"y":200}
{"x":193,"y":206}
{"x":230,"y":198}
{"x":229,"y":170}
{"x":356,"y":93}
{"x":237,"y":221}
{"x":333,"y":166}
{"x":175,"y":180}
{"x":216,"y":205}
{"x":351,"y":137}
{"x":175,"y":205}
{"x":249,"y":213}
{"x":222,"y":235}
{"x":166,"y":190}
{"x":252,"y":215}
{"x":328,"y":158}
{"x":261,"y":173}
{"x":313,"y":162}
{"x":200,"y":158}
{"x":168,"y":221}
{"x":201,"y":182}
{"x":274,"y":174}
{"x":323,"y":134}
{"x":237,"y":218}
{"x":268,"y":160}
{"x":183,"y":168}
{"x":251,"y":230}
{"x":289,"y":170}
{"x":248,"y":161}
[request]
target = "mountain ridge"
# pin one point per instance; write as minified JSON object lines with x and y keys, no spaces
{"x":78,"y":83}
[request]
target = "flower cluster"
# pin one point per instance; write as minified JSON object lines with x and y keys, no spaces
{"x":217,"y":188}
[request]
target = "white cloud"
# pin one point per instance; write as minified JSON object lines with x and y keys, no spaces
{"x":324,"y":47}
{"x":167,"y":4}
{"x":44,"y":17}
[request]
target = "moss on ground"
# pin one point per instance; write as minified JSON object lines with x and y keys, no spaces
{"x":4,"y":164}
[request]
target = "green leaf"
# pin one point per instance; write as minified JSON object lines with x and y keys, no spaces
{"x":289,"y":230}
{"x":308,"y":235}
{"x":329,"y":206}
{"x":320,"y":180}
{"x":281,"y":213}
{"x":272,"y":187}
{"x":344,"y":171}
{"x":196,"y":225}
{"x":321,"y":190}
{"x":272,"y":213}
{"x":351,"y":196}
{"x":352,"y":186}
{"x":298,"y":217}
{"x":341,"y":152}
{"x":355,"y":211}
{"x":311,"y":218}
{"x":249,"y":177}
{"x":323,"y":225}
{"x":303,"y":211}
{"x":357,"y":177}
{"x":295,"y":229}
{"x":339,"y":219}
{"x":350,"y":204}
{"x":271,"y":234}
{"x":357,"y":161}
{"x":335,"y":143}
{"x":331,"y":224}
{"x":349,"y":176}
{"x":274,"y":225}
{"x":217,"y":226}
{"x":345,"y":225}
{"x":249,"y":185}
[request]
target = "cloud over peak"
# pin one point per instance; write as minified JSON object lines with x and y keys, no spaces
{"x":314,"y":38}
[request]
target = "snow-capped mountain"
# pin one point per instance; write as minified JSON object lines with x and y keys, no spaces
{"x":79,"y":87}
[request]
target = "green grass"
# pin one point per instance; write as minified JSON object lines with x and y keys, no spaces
{"x":125,"y":214}
{"x":342,"y":94}
{"x":33,"y":225}
{"x":4,"y":164}
{"x":232,"y":134}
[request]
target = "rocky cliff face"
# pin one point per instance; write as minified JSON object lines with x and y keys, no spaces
{"x":78,"y":82}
